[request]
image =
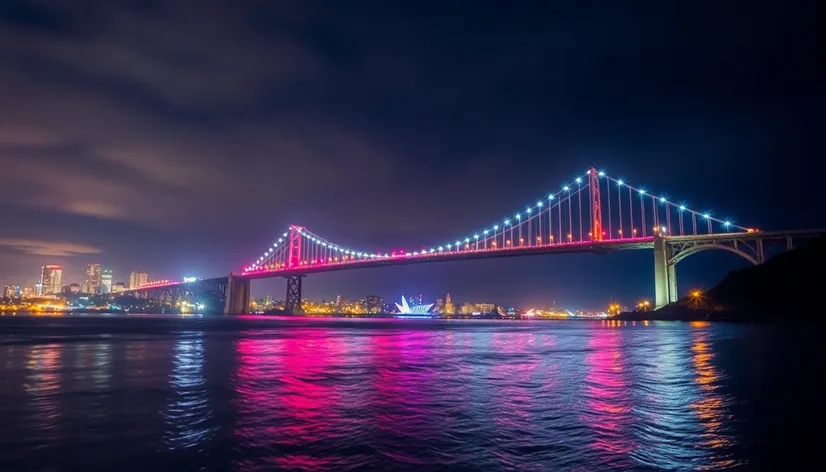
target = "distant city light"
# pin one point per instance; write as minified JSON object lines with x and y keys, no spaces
{"x":190,"y":279}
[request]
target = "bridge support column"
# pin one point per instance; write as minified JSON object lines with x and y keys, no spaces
{"x":665,"y":274}
{"x":293,"y":300}
{"x":238,"y":296}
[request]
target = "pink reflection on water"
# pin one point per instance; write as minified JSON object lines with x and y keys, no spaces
{"x":288,"y":404}
{"x":511,"y":377}
{"x":401,"y":401}
{"x":608,"y":400}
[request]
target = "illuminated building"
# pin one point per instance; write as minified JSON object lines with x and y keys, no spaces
{"x":11,"y":291}
{"x":405,"y":309}
{"x":440,"y":306}
{"x":415,"y":300}
{"x":27,"y":292}
{"x":118,"y":287}
{"x":449,"y":308}
{"x":477,"y":308}
{"x":137,"y":280}
{"x":92,"y":284}
{"x":74,"y":288}
{"x":374,"y":304}
{"x":106,"y":281}
{"x":51,"y":278}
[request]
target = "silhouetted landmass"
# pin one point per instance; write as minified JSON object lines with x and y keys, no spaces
{"x":788,"y":286}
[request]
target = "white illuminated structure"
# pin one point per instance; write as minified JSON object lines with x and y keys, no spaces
{"x":406,"y":309}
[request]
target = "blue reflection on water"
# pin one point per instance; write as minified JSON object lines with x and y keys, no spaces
{"x":188,"y":411}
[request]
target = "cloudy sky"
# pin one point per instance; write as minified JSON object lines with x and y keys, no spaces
{"x":179,"y":140}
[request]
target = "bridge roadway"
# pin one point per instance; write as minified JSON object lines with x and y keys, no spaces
{"x":668,"y":251}
{"x":403,"y":259}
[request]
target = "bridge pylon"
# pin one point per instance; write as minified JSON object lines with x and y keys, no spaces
{"x":292,"y":303}
{"x":238,"y":296}
{"x":665,"y":273}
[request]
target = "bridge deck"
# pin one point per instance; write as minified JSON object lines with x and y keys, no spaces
{"x":577,"y":247}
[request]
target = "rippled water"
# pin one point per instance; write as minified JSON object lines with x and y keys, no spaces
{"x":249,"y":394}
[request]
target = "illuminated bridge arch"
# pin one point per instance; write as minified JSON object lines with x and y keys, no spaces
{"x":679,"y":255}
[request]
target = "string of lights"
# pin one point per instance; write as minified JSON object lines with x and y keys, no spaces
{"x":557,"y":219}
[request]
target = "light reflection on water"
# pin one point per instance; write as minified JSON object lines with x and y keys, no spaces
{"x":42,"y":386}
{"x":188,"y":411}
{"x":340,"y":395}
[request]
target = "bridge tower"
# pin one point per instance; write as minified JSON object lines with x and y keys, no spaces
{"x":665,"y":273}
{"x":238,"y":296}
{"x":596,"y":206}
{"x":294,"y":247}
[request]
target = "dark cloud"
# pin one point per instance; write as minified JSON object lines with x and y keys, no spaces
{"x":173,"y":135}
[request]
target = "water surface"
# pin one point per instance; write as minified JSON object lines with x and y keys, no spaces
{"x":259,"y":393}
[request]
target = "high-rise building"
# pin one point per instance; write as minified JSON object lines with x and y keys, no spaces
{"x":51,"y":279}
{"x":137,"y":280}
{"x":106,"y":281}
{"x":74,"y":288}
{"x":27,"y":292}
{"x":118,"y":287}
{"x":11,"y":291}
{"x":92,"y":284}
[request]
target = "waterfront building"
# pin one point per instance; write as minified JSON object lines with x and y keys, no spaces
{"x":106,"y":281}
{"x":118,"y":287}
{"x":93,"y":279}
{"x":74,"y":288}
{"x":137,"y":280}
{"x":374,"y":304}
{"x":11,"y":291}
{"x":449,"y":308}
{"x":51,"y":280}
{"x":407,"y":309}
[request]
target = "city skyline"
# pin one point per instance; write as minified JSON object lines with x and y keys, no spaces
{"x":163,"y":172}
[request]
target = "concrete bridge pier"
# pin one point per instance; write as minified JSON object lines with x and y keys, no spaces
{"x":238,"y":296}
{"x":665,"y":274}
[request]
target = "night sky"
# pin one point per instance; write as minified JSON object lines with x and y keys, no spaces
{"x":180,"y":137}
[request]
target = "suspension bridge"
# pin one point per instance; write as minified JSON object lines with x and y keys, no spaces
{"x":594,"y":212}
